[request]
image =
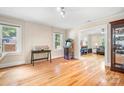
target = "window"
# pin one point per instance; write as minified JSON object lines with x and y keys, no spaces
{"x":9,"y":38}
{"x":58,"y":40}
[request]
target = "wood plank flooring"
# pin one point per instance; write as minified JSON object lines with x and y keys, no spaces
{"x":88,"y":71}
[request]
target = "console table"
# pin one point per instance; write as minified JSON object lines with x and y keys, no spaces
{"x":40,"y":51}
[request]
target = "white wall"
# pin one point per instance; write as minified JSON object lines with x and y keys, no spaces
{"x":74,"y":34}
{"x":96,"y":38}
{"x":32,"y":34}
{"x":92,"y":39}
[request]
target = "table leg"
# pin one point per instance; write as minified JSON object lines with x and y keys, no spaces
{"x":31,"y":57}
{"x":50,"y":57}
{"x":47,"y":56}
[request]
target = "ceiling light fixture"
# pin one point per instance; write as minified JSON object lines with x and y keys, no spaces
{"x":61,"y":10}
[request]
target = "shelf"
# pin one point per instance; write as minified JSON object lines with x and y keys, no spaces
{"x":117,"y":58}
{"x":119,"y":54}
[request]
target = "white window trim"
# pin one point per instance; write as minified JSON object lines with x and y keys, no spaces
{"x":60,"y":42}
{"x":19,"y":39}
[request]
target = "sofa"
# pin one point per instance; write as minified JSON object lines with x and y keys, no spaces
{"x":85,"y":50}
{"x":101,"y":50}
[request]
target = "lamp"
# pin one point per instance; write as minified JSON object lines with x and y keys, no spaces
{"x":96,"y":45}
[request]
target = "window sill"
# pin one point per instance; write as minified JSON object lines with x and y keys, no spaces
{"x":3,"y":55}
{"x":13,"y":53}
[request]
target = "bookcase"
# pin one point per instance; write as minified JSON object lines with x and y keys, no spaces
{"x":117,"y":45}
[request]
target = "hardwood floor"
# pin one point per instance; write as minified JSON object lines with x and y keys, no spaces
{"x":89,"y":70}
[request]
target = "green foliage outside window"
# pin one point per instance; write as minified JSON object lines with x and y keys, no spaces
{"x":57,"y":40}
{"x":8,"y":32}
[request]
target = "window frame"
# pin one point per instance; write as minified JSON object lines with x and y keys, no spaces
{"x":18,"y":38}
{"x":61,"y":41}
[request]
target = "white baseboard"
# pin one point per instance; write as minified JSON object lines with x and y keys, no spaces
{"x":57,"y":56}
{"x":10,"y":64}
{"x":2,"y":65}
{"x":107,"y":64}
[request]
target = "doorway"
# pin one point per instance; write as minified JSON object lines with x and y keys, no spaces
{"x":93,"y":44}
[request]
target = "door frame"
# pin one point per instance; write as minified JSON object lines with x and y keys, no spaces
{"x":107,"y":41}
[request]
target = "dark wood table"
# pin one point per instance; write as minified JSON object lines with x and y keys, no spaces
{"x":40,"y":51}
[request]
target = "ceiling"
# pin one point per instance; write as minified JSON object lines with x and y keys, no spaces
{"x":75,"y":16}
